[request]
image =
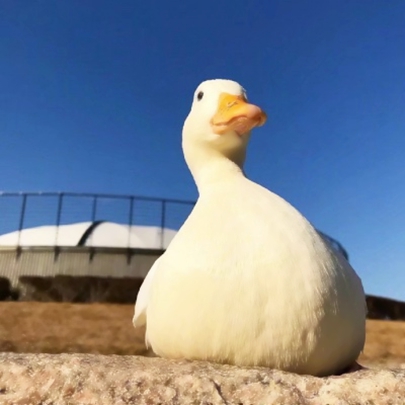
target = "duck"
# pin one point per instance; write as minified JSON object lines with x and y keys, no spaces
{"x":247,"y":280}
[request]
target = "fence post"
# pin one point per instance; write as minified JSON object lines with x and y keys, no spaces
{"x":162,"y":224}
{"x":130,"y":220}
{"x":22,"y":216}
{"x":93,"y":216}
{"x":58,"y":217}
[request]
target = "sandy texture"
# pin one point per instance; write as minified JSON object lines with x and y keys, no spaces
{"x":42,"y":379}
{"x":96,"y":379}
{"x":34,"y":327}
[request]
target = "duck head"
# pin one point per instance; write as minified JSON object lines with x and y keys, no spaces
{"x":219,"y":125}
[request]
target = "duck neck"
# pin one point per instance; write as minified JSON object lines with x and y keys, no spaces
{"x":210,"y":168}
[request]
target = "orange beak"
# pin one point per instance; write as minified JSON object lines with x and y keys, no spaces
{"x":234,"y":113}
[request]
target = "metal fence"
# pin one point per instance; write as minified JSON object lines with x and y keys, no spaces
{"x":19,"y":211}
{"x":24,"y":210}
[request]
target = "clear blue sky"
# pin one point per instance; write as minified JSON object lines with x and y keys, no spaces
{"x":93,"y":95}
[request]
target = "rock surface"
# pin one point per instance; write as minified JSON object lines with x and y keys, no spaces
{"x":103,"y":380}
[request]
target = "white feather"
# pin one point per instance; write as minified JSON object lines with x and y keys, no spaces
{"x":142,"y":299}
{"x":247,"y":280}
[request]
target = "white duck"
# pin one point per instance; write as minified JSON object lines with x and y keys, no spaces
{"x":247,"y":280}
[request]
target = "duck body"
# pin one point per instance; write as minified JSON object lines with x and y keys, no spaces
{"x":248,"y":281}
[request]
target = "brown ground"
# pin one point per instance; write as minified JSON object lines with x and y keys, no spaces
{"x":106,"y":328}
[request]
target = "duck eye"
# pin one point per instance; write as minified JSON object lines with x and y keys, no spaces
{"x":200,"y":95}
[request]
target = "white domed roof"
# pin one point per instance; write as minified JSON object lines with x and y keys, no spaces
{"x":97,"y":234}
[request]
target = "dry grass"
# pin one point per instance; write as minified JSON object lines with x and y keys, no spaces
{"x":384,"y":343}
{"x":36,"y":327}
{"x":106,"y":328}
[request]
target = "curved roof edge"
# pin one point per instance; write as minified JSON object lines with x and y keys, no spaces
{"x":87,"y":233}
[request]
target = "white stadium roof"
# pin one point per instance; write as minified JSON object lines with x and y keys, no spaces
{"x":106,"y":234}
{"x":97,"y":234}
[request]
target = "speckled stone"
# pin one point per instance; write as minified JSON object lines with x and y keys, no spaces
{"x":33,"y":379}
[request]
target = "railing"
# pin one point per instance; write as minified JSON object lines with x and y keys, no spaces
{"x":19,"y":211}
{"x":24,"y":210}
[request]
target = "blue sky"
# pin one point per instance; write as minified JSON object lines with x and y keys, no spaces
{"x":94,"y":94}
